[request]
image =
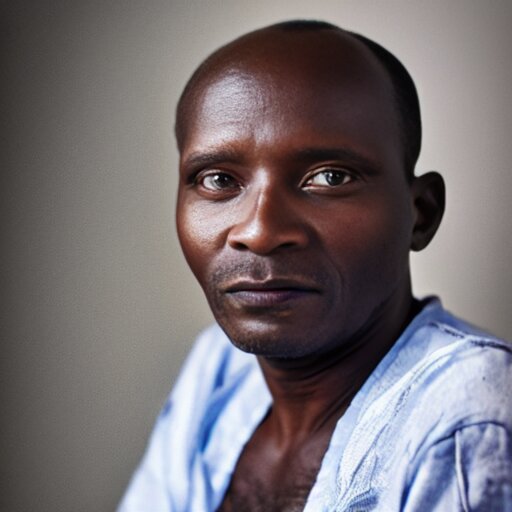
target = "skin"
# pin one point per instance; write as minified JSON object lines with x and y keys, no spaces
{"x":296,"y":217}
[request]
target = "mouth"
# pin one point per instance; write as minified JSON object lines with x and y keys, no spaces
{"x":270,"y":293}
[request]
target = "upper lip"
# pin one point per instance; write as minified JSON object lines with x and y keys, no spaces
{"x":270,"y":285}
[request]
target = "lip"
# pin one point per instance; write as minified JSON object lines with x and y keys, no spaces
{"x":270,"y":293}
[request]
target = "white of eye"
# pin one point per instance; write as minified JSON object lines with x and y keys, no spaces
{"x":329,"y":178}
{"x":218,"y":181}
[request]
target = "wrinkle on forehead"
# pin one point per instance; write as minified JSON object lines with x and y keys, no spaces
{"x":241,"y":109}
{"x":267,"y":81}
{"x":240,"y":102}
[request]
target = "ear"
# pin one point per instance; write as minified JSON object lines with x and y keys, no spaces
{"x":428,"y":193}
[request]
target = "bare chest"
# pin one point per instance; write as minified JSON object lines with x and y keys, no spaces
{"x":267,"y":480}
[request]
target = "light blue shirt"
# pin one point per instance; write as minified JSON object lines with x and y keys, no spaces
{"x":430,"y":430}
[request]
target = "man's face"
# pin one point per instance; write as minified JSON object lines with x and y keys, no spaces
{"x":294,"y":212}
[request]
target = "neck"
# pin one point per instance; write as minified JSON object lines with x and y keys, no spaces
{"x":310,"y":394}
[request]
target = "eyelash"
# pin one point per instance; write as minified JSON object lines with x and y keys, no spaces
{"x":330,"y":171}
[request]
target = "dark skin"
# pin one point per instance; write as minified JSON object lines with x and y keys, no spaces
{"x":296,"y":216}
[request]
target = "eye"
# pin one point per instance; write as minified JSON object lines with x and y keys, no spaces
{"x":328,"y":178}
{"x":216,"y":181}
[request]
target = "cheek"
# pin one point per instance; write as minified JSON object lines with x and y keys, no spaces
{"x":370,"y":245}
{"x":201,"y":232}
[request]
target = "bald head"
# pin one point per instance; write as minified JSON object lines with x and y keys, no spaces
{"x":318,"y":53}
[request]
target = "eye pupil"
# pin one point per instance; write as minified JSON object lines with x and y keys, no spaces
{"x":221,"y":180}
{"x":334,"y":177}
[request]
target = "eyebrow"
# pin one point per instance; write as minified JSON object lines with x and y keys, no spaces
{"x":343,"y":154}
{"x":306,"y":155}
{"x":204,"y":159}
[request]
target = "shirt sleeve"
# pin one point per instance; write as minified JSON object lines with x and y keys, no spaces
{"x":161,"y":483}
{"x":468,"y":471}
{"x":148,"y":487}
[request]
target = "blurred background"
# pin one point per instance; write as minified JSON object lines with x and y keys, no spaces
{"x":99,"y":308}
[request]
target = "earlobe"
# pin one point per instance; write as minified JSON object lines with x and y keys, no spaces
{"x":428,"y":193}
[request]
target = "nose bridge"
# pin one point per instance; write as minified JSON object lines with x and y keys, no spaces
{"x":268,"y":219}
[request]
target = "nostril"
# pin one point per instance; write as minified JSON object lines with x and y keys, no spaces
{"x":265,"y":238}
{"x":288,"y":245}
{"x":235,"y":244}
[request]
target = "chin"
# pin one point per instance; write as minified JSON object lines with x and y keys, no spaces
{"x":269,"y":350}
{"x":272,"y":342}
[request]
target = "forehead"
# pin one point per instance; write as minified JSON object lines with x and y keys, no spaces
{"x":297,"y":87}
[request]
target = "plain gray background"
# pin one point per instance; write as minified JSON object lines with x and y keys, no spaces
{"x":99,"y":308}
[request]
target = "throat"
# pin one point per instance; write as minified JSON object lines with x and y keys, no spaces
{"x":311,"y":394}
{"x":310,"y":400}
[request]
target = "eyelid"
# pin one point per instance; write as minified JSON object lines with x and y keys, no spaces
{"x":197,"y":180}
{"x":329,"y":168}
{"x":196,"y":176}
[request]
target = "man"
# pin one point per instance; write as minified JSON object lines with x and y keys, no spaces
{"x":297,"y":208}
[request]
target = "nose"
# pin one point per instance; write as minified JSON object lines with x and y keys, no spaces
{"x":269,"y":222}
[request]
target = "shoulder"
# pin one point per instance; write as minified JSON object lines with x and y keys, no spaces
{"x":167,"y":478}
{"x":444,"y":371}
{"x":460,"y":421}
{"x":437,"y":415}
{"x":455,"y":398}
{"x":441,"y":377}
{"x":465,"y":374}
